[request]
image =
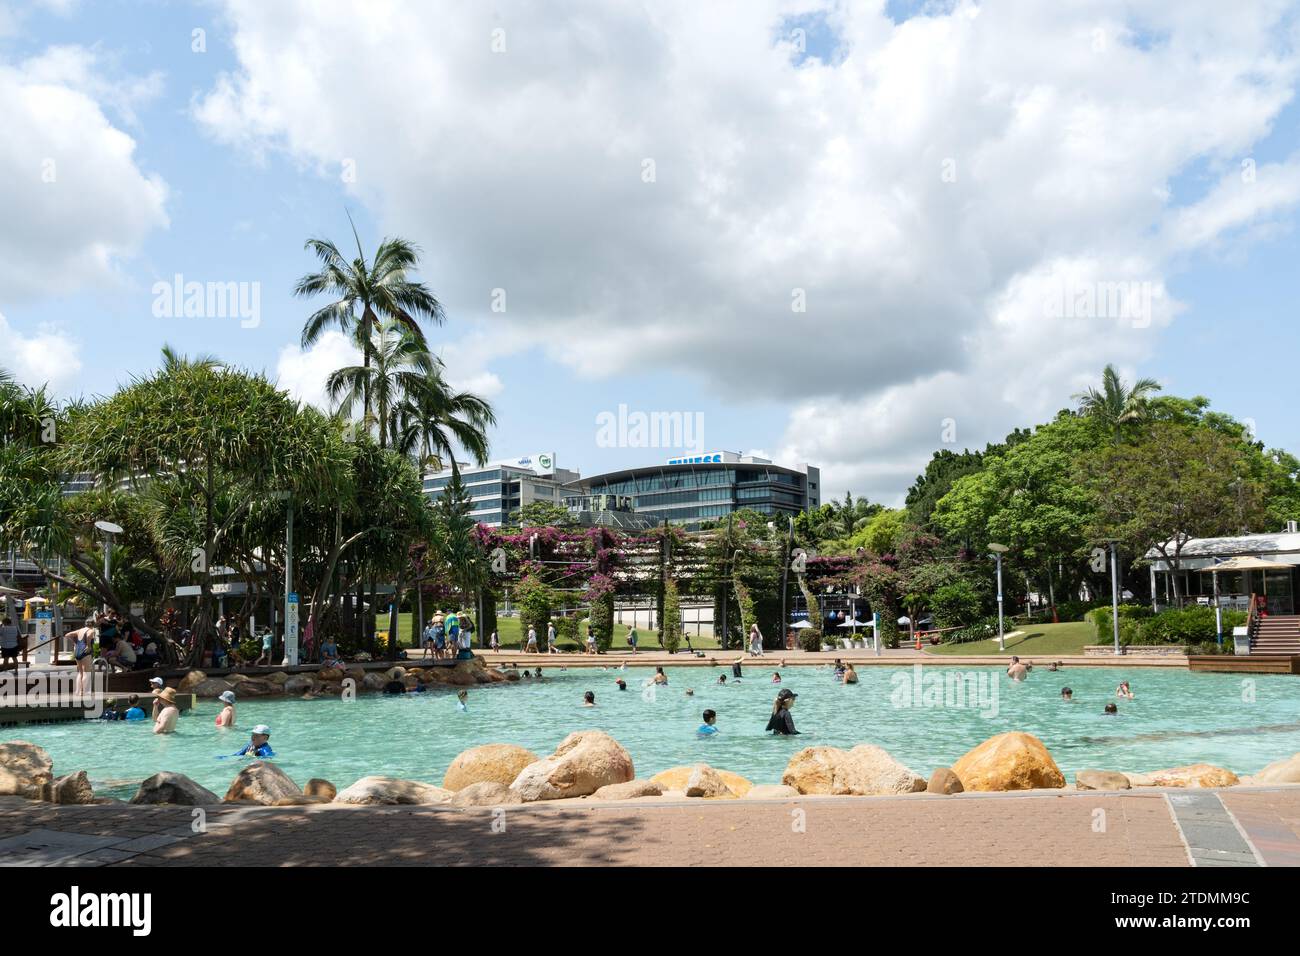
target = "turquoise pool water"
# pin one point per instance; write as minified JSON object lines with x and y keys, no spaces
{"x":1177,"y":718}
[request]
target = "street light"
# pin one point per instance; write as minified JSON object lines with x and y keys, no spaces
{"x":999,"y":550}
{"x":109,"y":530}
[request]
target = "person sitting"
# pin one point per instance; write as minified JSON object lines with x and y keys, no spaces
{"x":781,"y":722}
{"x":259,"y":745}
{"x":122,"y":655}
{"x":707,"y":729}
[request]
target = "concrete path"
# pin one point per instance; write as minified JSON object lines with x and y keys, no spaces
{"x":1044,"y":828}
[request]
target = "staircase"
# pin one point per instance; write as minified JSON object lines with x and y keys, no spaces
{"x":1275,"y":634}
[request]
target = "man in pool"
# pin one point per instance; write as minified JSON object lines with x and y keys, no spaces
{"x":167,"y":717}
{"x":1016,"y":670}
{"x":622,"y":684}
{"x":1110,"y":710}
{"x":259,"y":745}
{"x":707,"y":729}
{"x":1067,"y":694}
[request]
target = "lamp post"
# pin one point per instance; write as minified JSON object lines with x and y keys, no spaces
{"x":1114,"y":594}
{"x":999,"y":550}
{"x":110,"y":530}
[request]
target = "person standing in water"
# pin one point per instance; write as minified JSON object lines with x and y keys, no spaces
{"x":227,"y":716}
{"x":781,"y":722}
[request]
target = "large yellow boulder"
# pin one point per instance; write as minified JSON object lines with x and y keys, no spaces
{"x":678,"y":778}
{"x":1286,"y":770}
{"x":491,"y":763}
{"x":1192,"y":776}
{"x":1010,"y":761}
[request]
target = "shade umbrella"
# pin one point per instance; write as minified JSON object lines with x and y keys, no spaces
{"x":14,"y":592}
{"x":1246,"y":563}
{"x":800,"y":625}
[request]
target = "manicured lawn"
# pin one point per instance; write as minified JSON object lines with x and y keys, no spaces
{"x":1065,"y":639}
{"x":508,"y":633}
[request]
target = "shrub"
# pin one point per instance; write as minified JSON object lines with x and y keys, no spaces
{"x":1100,"y":618}
{"x":1076,"y":610}
{"x":1189,"y":625}
{"x":981,"y":630}
{"x":810,"y":639}
{"x":670,"y":632}
{"x":955,"y":604}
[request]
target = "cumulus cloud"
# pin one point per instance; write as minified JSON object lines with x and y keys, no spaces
{"x":878,"y":234}
{"x":302,"y":372}
{"x":76,"y":202}
{"x":44,"y":356}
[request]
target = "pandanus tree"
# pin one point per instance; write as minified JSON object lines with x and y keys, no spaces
{"x":209,"y":442}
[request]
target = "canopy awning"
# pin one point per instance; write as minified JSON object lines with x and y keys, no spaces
{"x":1246,"y":563}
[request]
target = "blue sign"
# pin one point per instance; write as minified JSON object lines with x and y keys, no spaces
{"x":697,"y":460}
{"x":293,"y":598}
{"x":44,"y":615}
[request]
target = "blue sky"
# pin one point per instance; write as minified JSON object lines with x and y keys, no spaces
{"x":682,"y":335}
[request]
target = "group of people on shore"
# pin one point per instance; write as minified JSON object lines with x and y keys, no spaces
{"x":446,"y":636}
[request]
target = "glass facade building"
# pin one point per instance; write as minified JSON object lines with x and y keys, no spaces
{"x":498,"y":490}
{"x":687,"y":492}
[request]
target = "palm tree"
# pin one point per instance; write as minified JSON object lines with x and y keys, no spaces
{"x":401,"y":366}
{"x":433,"y":419}
{"x":1117,"y":404}
{"x":366,"y":295}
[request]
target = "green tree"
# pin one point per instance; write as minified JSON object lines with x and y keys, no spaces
{"x":1116,"y":404}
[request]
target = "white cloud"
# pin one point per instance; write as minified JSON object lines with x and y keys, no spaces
{"x":75,"y":201}
{"x":44,"y":356}
{"x":302,"y":372}
{"x":923,"y":190}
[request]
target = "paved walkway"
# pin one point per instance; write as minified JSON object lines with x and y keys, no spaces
{"x":1136,"y":828}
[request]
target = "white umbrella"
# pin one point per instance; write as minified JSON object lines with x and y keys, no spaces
{"x":800,"y":625}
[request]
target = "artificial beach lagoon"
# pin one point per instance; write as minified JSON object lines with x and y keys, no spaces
{"x":924,"y":717}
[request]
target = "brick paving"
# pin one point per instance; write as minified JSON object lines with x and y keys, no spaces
{"x":1041,"y":829}
{"x":1271,"y":821}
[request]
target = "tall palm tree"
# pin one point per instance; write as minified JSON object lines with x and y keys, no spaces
{"x":433,"y":419}
{"x":400,"y":365}
{"x":1117,"y":404}
{"x":366,"y":295}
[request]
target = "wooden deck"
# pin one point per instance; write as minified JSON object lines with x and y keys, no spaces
{"x":1244,"y":663}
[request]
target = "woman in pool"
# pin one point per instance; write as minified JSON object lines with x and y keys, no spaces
{"x":660,"y":677}
{"x":776,"y":677}
{"x":781,"y":722}
{"x":589,"y":699}
{"x":1067,"y":694}
{"x":462,"y":701}
{"x":227,"y":716}
{"x":850,"y":675}
{"x":1124,"y":691}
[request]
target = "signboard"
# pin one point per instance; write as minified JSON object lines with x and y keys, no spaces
{"x":291,"y":630}
{"x":39,"y":640}
{"x":715,"y":459}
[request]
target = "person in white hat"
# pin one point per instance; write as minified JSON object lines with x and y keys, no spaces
{"x":227,"y":716}
{"x":260,"y":745}
{"x":155,"y":685}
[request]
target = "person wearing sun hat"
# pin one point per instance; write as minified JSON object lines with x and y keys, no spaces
{"x":227,"y":716}
{"x":166,"y":721}
{"x":259,"y":745}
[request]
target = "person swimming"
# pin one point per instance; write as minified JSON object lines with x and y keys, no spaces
{"x":259,"y":745}
{"x":462,"y":701}
{"x":722,"y":678}
{"x":707,"y":729}
{"x":622,"y":684}
{"x":1067,"y":694}
{"x":690,"y":692}
{"x":781,"y":722}
{"x":589,"y":699}
{"x":1111,"y":709}
{"x":776,"y":677}
{"x":1123,"y":690}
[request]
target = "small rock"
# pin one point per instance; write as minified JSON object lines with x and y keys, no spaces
{"x":677,"y":778}
{"x":943,"y":780}
{"x":261,"y":782}
{"x":73,"y":788}
{"x":771,"y":791}
{"x":389,"y":791}
{"x":176,"y":788}
{"x":316,"y":787}
{"x":488,"y":793}
{"x":705,"y":782}
{"x":1101,"y":780}
{"x":632,"y":790}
